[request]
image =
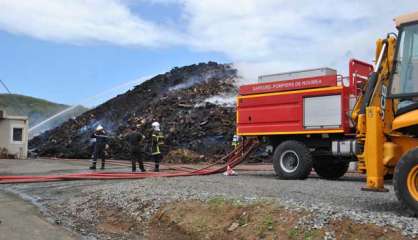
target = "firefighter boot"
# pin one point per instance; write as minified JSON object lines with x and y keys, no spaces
{"x":157,"y":167}
{"x":103,"y":165}
{"x":93,"y":166}
{"x":141,"y":166}
{"x":133,"y":166}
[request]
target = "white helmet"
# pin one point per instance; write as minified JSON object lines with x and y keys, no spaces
{"x":99,"y":128}
{"x":156,"y":126}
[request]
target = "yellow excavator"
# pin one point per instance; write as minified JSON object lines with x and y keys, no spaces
{"x":386,"y":115}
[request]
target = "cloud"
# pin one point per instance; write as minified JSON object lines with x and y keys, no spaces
{"x":81,"y":21}
{"x":269,"y":36}
{"x":259,"y":36}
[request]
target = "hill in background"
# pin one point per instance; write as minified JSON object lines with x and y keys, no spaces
{"x":37,"y":110}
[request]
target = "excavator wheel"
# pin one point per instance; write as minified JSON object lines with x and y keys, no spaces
{"x":292,"y":160}
{"x":328,"y":168}
{"x":405,"y":181}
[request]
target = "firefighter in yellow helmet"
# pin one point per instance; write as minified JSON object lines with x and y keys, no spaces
{"x":235,"y":141}
{"x":157,"y":140}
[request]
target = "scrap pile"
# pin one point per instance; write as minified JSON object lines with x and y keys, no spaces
{"x":194,"y":104}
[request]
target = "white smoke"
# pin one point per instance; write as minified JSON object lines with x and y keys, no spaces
{"x":197,"y":79}
{"x":225,"y":100}
{"x":190,"y":82}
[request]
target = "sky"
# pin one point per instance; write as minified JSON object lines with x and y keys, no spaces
{"x":86,"y":51}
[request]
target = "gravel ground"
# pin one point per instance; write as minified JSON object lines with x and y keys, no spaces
{"x":77,"y":202}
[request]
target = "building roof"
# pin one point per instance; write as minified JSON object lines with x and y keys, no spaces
{"x":407,"y":18}
{"x":3,"y":115}
{"x":16,"y":118}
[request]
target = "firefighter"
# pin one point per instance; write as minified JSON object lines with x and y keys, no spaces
{"x":136,"y":141}
{"x":235,"y":141}
{"x":157,"y":140}
{"x":99,"y":147}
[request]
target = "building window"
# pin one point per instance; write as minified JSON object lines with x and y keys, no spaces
{"x":17,"y":134}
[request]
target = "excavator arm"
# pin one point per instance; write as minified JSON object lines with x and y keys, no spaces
{"x":374,"y":114}
{"x":375,"y":91}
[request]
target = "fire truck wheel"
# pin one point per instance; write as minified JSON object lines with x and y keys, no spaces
{"x":292,"y":160}
{"x":328,"y":168}
{"x":405,"y":181}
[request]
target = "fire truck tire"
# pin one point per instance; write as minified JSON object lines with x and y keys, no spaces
{"x":292,"y":160}
{"x":328,"y":168}
{"x":405,"y":181}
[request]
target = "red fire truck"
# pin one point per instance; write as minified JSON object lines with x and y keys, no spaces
{"x":305,"y":116}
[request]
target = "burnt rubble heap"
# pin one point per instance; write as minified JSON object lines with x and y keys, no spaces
{"x":194,"y":104}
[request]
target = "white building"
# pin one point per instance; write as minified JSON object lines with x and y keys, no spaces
{"x":13,"y":136}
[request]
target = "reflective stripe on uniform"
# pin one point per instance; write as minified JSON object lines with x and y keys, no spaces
{"x":157,"y":138}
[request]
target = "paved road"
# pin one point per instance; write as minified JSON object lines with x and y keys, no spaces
{"x":20,"y":220}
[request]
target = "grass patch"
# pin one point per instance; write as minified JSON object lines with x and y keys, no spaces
{"x":293,"y":233}
{"x":297,"y":234}
{"x":217,"y":201}
{"x":266,"y":225}
{"x":243,"y":219}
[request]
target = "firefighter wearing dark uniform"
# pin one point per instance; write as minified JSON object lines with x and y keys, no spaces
{"x":137,"y":150}
{"x":99,"y":147}
{"x":157,"y":140}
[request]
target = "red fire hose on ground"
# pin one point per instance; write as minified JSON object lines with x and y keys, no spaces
{"x":232,"y":159}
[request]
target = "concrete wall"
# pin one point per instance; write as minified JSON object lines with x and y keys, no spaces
{"x":18,"y":149}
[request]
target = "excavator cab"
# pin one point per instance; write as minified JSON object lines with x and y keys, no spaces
{"x":404,"y":84}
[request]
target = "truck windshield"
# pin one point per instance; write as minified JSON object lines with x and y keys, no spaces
{"x":405,"y":78}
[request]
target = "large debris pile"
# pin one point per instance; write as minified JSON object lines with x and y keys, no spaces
{"x":194,"y":104}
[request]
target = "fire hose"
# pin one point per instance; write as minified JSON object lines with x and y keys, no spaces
{"x":232,"y":159}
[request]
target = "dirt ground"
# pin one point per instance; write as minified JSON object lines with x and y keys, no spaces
{"x":261,"y":220}
{"x":252,"y":205}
